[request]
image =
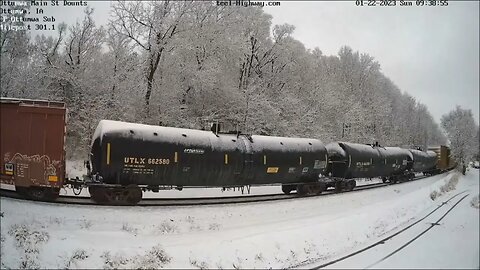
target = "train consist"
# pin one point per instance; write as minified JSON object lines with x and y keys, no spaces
{"x":128,"y":158}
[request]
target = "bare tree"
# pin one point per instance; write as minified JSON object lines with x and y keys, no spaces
{"x":152,"y":26}
{"x":49,"y":47}
{"x":85,"y":40}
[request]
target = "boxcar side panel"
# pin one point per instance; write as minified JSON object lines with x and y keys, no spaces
{"x":32,"y":143}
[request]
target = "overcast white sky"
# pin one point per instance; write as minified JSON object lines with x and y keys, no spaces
{"x":431,"y":52}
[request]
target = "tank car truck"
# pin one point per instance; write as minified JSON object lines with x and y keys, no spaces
{"x":32,"y":146}
{"x":127,"y":157}
{"x":348,"y":161}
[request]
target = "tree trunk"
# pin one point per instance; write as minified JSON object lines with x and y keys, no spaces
{"x":154,"y":60}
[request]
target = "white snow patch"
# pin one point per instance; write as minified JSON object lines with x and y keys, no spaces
{"x":280,"y":234}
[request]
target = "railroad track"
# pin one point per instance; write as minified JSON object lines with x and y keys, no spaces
{"x":382,"y":241}
{"x":201,"y":200}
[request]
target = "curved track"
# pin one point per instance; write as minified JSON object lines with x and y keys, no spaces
{"x":198,"y":201}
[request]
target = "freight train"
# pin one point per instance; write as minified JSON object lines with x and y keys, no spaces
{"x":127,"y":159}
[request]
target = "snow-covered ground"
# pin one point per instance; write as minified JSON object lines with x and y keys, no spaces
{"x":296,"y":233}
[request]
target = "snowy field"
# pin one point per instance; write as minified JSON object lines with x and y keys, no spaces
{"x":296,"y":233}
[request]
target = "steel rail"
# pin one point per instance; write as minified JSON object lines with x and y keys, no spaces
{"x":419,"y":235}
{"x":200,"y":200}
{"x":382,"y":241}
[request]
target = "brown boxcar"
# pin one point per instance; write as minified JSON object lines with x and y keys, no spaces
{"x":32,"y":146}
{"x":444,"y":162}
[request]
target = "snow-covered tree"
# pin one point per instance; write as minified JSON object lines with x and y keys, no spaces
{"x":182,"y":62}
{"x":152,"y":26}
{"x":16,"y":63}
{"x":462,"y":132}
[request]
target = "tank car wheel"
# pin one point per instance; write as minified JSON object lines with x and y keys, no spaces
{"x":287,"y":189}
{"x":351,"y":185}
{"x":90,"y":190}
{"x":129,"y":195}
{"x":319,"y":188}
{"x":98,"y":194}
{"x":314,"y":188}
{"x":393,"y":180}
{"x":338,"y":186}
{"x":310,"y":188}
{"x":302,"y":190}
{"x":133,"y":194}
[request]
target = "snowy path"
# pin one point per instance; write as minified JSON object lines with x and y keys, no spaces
{"x":298,"y":233}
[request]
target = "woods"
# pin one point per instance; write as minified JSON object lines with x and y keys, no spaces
{"x":463,"y":134}
{"x":181,"y":63}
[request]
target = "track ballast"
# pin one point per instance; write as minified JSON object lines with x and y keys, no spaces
{"x":201,"y":200}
